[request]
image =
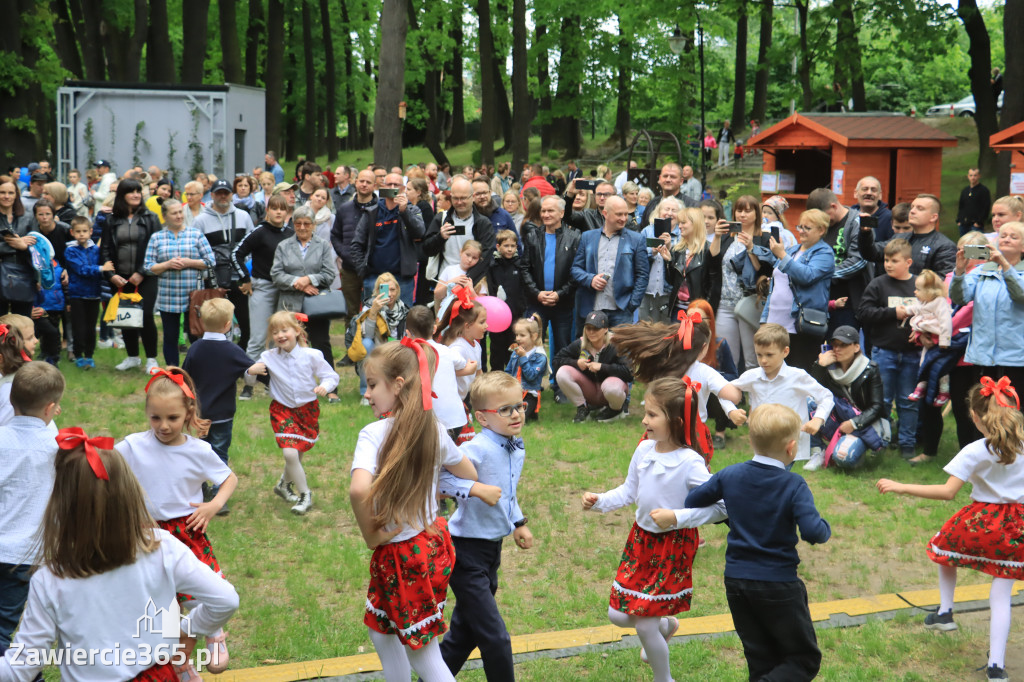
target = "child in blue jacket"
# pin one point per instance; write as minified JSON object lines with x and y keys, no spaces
{"x":529,"y":362}
{"x":84,"y":289}
{"x":47,"y":313}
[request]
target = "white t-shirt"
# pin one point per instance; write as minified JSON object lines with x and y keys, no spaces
{"x":447,"y":406}
{"x":368,"y":446}
{"x":120,"y":610}
{"x":453,"y":245}
{"x":450,"y":272}
{"x":992,"y":482}
{"x":710,"y":382}
{"x":469,"y":352}
{"x":172,"y":476}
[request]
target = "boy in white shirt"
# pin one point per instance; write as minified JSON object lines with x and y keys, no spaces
{"x":28,"y":450}
{"x":773,"y":381}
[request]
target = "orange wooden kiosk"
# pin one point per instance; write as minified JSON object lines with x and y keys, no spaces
{"x":1012,"y":140}
{"x":807,"y":151}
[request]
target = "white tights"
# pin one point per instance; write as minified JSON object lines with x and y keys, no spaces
{"x":999,"y":611}
{"x":396,"y":659}
{"x":293,"y":470}
{"x":651,"y":632}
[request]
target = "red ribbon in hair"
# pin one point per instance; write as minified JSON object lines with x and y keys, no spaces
{"x":703,"y":435}
{"x":999,"y":389}
{"x":464,"y":301}
{"x":301,"y":317}
{"x":73,"y":436}
{"x":4,"y":330}
{"x":416,"y":345}
{"x":176,"y":378}
{"x":686,"y":323}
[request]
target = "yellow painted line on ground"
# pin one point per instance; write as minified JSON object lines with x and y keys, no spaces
{"x":605,"y":634}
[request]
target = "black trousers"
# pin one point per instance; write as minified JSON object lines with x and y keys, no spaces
{"x":475,"y":620}
{"x":319,"y":332}
{"x":774,"y":623}
{"x":241,"y":303}
{"x":84,"y":312}
{"x":47,"y":329}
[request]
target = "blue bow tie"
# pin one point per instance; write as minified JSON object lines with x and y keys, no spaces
{"x":512,"y":442}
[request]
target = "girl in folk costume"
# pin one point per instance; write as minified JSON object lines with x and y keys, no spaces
{"x":988,"y":534}
{"x":463,"y":323}
{"x":654,"y":580}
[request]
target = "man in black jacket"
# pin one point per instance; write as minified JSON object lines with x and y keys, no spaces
{"x":385,"y":241}
{"x":343,"y":190}
{"x":588,"y":218}
{"x":344,"y":231}
{"x":441,"y":238}
{"x":930,"y":248}
{"x":550,"y":289}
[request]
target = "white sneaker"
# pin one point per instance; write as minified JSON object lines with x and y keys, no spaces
{"x":151,"y":366}
{"x":105,"y":343}
{"x":815,"y":462}
{"x":128,"y":363}
{"x":304,"y":504}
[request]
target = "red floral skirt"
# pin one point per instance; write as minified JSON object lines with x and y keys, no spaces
{"x":983,"y":536}
{"x":161,"y":672}
{"x":198,"y":543}
{"x":295,"y":427}
{"x":409,"y":586}
{"x":655,"y":577}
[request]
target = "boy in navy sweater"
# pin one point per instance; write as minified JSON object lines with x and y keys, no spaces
{"x":766,"y":504}
{"x":215,"y":364}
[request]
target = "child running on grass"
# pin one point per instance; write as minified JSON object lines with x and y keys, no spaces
{"x":986,"y":534}
{"x":298,"y":377}
{"x":393,"y":492}
{"x":655,"y":581}
{"x":463,"y":324}
{"x":103,"y":563}
{"x":172,"y":466}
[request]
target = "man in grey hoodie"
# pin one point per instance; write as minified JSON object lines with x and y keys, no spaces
{"x":225,"y":226}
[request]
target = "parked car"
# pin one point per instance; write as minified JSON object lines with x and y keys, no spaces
{"x":964,"y":107}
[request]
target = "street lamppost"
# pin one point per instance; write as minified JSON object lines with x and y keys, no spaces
{"x":677,"y":43}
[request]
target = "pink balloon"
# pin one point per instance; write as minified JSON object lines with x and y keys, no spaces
{"x":499,"y":317}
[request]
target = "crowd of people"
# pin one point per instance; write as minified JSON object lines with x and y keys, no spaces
{"x":722,"y":312}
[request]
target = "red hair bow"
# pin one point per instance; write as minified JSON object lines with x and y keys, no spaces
{"x":176,"y":378}
{"x":999,"y":389}
{"x":692,"y":388}
{"x":73,"y":436}
{"x":416,"y":345}
{"x":4,"y":330}
{"x":301,"y":317}
{"x":686,"y":324}
{"x":464,"y":301}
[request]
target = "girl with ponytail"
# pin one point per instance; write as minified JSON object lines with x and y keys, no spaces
{"x":986,"y":535}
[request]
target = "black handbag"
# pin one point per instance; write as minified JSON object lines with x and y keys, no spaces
{"x":325,"y":305}
{"x":17,"y":282}
{"x":812,"y":322}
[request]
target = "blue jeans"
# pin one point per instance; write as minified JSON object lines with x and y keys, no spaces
{"x":368,"y":344}
{"x":219,"y":438}
{"x":849,"y":452}
{"x":14,"y":580}
{"x":172,"y":331}
{"x":899,"y":377}
{"x":408,"y":290}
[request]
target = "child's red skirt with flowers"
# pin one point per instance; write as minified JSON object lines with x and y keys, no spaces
{"x":409,"y":586}
{"x":197,"y":542}
{"x":983,"y":536}
{"x":655,"y":577}
{"x":295,"y":427}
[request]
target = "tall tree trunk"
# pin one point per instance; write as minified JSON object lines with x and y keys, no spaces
{"x":565,"y":129}
{"x":543,"y":87}
{"x":159,"y":57}
{"x":350,"y":98}
{"x":847,"y":56}
{"x":981,"y":87}
{"x":739,"y":101}
{"x":457,"y":135}
{"x":521,"y":105}
{"x":309,"y":115}
{"x":364,"y":118}
{"x":193,"y":48}
{"x":273,"y":78}
{"x":761,"y":76}
{"x":625,"y":77}
{"x":331,"y":106}
{"x":432,"y":133}
{"x":503,"y":111}
{"x":1013,"y":74}
{"x":230,"y":51}
{"x":86,"y":16}
{"x":254,"y":36}
{"x":485,"y":40}
{"x":16,"y":104}
{"x":387,"y":127}
{"x":64,"y":33}
{"x":804,"y":67}
{"x":291,"y":142}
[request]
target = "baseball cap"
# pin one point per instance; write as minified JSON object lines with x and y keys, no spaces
{"x":283,"y":186}
{"x":33,"y":167}
{"x":846,"y":334}
{"x":221,"y":186}
{"x":597,"y":319}
{"x":101,"y":162}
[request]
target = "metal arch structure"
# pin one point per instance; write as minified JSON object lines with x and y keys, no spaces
{"x":646,"y":172}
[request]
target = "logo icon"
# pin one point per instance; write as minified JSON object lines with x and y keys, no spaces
{"x":165,"y":622}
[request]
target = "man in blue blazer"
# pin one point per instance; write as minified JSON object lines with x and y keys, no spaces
{"x":610,"y":268}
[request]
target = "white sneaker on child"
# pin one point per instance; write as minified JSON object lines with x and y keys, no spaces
{"x":816,"y":460}
{"x":304,"y":505}
{"x":128,"y":363}
{"x":152,"y":366}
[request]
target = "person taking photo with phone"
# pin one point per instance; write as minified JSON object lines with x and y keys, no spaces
{"x":451,"y":229}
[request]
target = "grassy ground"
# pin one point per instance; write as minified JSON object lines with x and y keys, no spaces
{"x":302,"y":580}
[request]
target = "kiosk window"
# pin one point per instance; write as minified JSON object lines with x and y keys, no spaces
{"x":812,"y":167}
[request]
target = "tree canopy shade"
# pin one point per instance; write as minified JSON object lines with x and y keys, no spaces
{"x":498,"y":71}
